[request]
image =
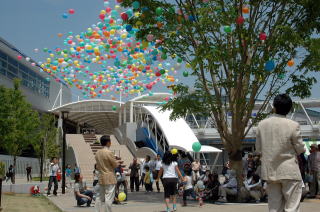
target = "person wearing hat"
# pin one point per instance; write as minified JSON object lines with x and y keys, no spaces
{"x":279,"y":141}
{"x":314,"y":171}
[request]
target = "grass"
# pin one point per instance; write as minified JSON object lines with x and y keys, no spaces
{"x":27,"y":203}
{"x":38,"y":179}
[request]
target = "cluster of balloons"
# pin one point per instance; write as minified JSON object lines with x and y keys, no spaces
{"x":108,"y":57}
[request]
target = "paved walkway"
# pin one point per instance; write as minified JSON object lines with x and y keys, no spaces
{"x":153,"y":202}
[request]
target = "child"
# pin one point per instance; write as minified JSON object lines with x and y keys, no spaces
{"x":199,"y":189}
{"x":147,"y":179}
{"x":188,"y":187}
{"x":68,"y":176}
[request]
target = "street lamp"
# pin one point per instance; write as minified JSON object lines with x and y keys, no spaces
{"x":64,"y":129}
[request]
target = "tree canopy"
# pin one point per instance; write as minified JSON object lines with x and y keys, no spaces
{"x":238,"y":51}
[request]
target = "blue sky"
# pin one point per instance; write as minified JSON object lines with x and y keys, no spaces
{"x":35,"y":24}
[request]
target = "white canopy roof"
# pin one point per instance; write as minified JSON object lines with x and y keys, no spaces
{"x":178,"y":133}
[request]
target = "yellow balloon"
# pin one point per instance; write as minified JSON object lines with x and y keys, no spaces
{"x":103,"y":12}
{"x":112,"y":32}
{"x":174,"y":151}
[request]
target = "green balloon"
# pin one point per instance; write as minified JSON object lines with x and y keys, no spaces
{"x":227,"y":29}
{"x":179,"y":60}
{"x":114,"y":108}
{"x":162,"y":71}
{"x":164,"y":56}
{"x":196,"y":146}
{"x":185,"y":74}
{"x":159,"y":11}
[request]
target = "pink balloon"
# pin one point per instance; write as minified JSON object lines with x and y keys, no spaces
{"x":19,"y":57}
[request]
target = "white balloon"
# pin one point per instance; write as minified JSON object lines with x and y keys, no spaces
{"x":28,"y":59}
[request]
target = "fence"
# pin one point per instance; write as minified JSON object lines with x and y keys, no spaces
{"x":21,"y":165}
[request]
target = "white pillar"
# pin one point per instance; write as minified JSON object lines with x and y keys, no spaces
{"x":131,"y":112}
{"x":120,"y":111}
{"x":60,"y":127}
{"x":124,"y":114}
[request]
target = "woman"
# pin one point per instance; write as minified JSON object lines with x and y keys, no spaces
{"x":170,"y":172}
{"x":83,"y":196}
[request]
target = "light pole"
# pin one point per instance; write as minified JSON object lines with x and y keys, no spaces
{"x":64,"y":129}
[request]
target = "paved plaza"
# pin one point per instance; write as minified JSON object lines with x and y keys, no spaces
{"x":153,"y":202}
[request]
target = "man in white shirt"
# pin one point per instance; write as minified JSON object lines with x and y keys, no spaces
{"x":279,"y":142}
{"x":53,"y":169}
{"x":157,"y":167}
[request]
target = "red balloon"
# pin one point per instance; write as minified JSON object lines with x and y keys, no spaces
{"x":102,"y":16}
{"x":71,"y":11}
{"x":108,"y":9}
{"x":19,"y":57}
{"x":240,"y":20}
{"x":158,"y":74}
{"x":124,"y":16}
{"x":263,"y":36}
{"x":149,"y":86}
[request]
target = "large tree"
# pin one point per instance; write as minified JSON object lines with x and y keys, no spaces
{"x":45,"y":146}
{"x":18,"y":121}
{"x":238,"y":51}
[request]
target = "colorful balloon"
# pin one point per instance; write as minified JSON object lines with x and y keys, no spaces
{"x":196,"y":146}
{"x":122,"y":196}
{"x":174,"y":151}
{"x":270,"y":65}
{"x":71,"y":11}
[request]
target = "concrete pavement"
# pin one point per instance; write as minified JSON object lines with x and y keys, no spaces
{"x":153,"y":202}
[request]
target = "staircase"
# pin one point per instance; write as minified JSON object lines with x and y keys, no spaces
{"x":81,"y":149}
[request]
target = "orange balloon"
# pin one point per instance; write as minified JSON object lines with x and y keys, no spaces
{"x":291,"y":62}
{"x":245,"y":10}
{"x":60,"y":35}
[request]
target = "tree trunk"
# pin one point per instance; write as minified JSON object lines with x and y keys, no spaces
{"x":41,"y":162}
{"x":237,"y":166}
{"x":14,"y":169}
{"x":0,"y":192}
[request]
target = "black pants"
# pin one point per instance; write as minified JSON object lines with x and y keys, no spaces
{"x":29,"y":177}
{"x":148,"y":186}
{"x":53,"y":179}
{"x":134,"y":181}
{"x":155,"y":175}
{"x":188,"y":192}
{"x":170,"y":187}
{"x":82,"y":201}
{"x":142,"y":179}
{"x":95,"y":182}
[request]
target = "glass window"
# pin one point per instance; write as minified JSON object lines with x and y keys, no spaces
{"x":23,"y":68}
{"x":13,"y":69}
{"x":3,"y":64}
{"x":12,"y":61}
{"x":11,"y":75}
{"x":3,"y":71}
{"x":3,"y":55}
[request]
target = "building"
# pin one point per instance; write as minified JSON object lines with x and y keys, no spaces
{"x":39,"y":88}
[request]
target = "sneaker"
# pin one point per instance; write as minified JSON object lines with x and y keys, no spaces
{"x":168,"y":210}
{"x":174,"y":207}
{"x":49,"y":195}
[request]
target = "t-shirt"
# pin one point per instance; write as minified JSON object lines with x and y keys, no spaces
{"x":29,"y":169}
{"x":158,"y":165}
{"x":170,"y":171}
{"x":79,"y":187}
{"x":134,"y":170}
{"x":53,"y":170}
{"x":68,"y":172}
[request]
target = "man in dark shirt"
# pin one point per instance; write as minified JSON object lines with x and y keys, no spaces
{"x":29,"y":169}
{"x":134,"y":174}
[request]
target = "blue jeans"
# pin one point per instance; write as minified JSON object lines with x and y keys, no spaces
{"x":82,"y":201}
